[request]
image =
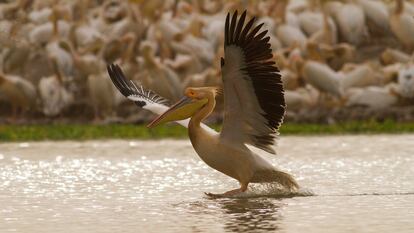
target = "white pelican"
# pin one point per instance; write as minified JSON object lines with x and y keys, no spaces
{"x":350,"y":19}
{"x":361,"y":75}
{"x":406,"y":82}
{"x":323,"y":78}
{"x":157,"y":75}
{"x":291,"y":80}
{"x":392,"y":56}
{"x":390,"y":73}
{"x":40,"y":16}
{"x":254,"y":108}
{"x":184,"y":65}
{"x":373,"y":97}
{"x":402,"y":24}
{"x":301,"y":99}
{"x":377,"y":16}
{"x":20,"y":93}
{"x":55,"y":97}
{"x":43,"y":33}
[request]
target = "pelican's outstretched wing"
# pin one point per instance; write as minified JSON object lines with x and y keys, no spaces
{"x":253,"y":92}
{"x":142,"y":98}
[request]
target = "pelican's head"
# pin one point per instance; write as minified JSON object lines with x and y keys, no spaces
{"x":193,"y":100}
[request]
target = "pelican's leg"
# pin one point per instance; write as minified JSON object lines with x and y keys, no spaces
{"x":230,"y":193}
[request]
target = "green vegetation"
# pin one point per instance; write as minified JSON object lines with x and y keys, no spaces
{"x":85,"y":132}
{"x":368,"y":127}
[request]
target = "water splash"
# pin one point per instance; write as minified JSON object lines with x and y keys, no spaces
{"x":272,"y":190}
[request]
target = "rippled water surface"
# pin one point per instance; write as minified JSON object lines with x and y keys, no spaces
{"x":360,"y":184}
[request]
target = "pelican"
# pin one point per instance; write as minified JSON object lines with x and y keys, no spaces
{"x":20,"y":93}
{"x":377,"y":16}
{"x":351,"y":23}
{"x":54,"y":95}
{"x":406,"y":82}
{"x":254,"y":107}
{"x":362,"y":75}
{"x":402,"y":24}
{"x":392,"y":56}
{"x":375,"y":98}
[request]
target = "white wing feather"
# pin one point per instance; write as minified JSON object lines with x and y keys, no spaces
{"x":145,"y":99}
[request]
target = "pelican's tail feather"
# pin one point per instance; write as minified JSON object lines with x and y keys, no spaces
{"x":285,"y":179}
{"x":274,"y":176}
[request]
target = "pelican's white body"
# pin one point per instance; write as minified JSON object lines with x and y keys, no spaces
{"x":233,"y":159}
{"x":322,"y":77}
{"x":351,"y":23}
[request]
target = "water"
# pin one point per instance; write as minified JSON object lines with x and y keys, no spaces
{"x":360,"y":184}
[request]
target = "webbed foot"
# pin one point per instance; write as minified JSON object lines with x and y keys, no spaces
{"x":213,"y":195}
{"x":230,"y":193}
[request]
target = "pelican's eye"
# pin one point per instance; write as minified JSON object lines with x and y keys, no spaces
{"x":222,"y":62}
{"x":191,"y":94}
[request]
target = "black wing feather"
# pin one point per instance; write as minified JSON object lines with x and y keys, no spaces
{"x":118,"y":79}
{"x":240,"y":26}
{"x":128,"y":88}
{"x":249,"y":37}
{"x":226,"y":31}
{"x":262,"y":71}
{"x":233,"y":27}
{"x":246,"y":30}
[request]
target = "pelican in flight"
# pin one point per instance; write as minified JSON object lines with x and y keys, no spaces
{"x":254,"y":108}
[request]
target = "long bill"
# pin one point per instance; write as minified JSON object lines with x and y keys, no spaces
{"x":181,"y":110}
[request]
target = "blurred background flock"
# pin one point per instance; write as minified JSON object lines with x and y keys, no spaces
{"x":340,"y":60}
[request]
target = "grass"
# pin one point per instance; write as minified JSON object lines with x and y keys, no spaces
{"x":118,"y":131}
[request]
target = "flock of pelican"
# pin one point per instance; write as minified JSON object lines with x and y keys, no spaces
{"x":331,"y":54}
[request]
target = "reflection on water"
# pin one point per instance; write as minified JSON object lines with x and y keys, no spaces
{"x":360,"y":184}
{"x":247,"y":215}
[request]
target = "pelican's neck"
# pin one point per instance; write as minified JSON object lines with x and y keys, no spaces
{"x":83,"y":11}
{"x":2,"y":80}
{"x":313,"y":52}
{"x":327,"y":32}
{"x":194,"y":127}
{"x":279,"y":7}
{"x":203,"y":112}
{"x":55,"y":23}
{"x":400,"y":7}
{"x":314,"y":5}
{"x":149,"y":59}
{"x":129,"y":53}
{"x":57,"y":71}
